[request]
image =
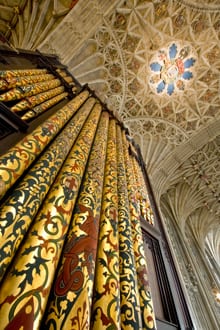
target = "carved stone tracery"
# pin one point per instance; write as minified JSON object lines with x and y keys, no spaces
{"x":111,"y":49}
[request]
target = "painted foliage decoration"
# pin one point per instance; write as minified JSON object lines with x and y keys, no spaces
{"x":71,"y":246}
{"x":28,"y":93}
{"x":171,"y":69}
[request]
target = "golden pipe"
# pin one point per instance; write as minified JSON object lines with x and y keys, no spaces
{"x":143,"y":198}
{"x":18,"y":73}
{"x":3,"y":84}
{"x":20,"y":157}
{"x":129,"y":295}
{"x":34,"y":266}
{"x":28,"y":90}
{"x":43,"y":106}
{"x":146,"y":305}
{"x":73,"y":287}
{"x":66,"y":77}
{"x":19,"y":210}
{"x":31,"y":101}
{"x":26,"y":80}
{"x":106,"y":294}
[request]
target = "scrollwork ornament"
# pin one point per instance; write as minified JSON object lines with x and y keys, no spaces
{"x":21,"y":156}
{"x":33,"y":269}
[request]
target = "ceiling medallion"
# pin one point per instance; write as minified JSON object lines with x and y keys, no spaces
{"x":171,"y":69}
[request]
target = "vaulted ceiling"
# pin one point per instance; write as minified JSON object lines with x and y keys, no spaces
{"x":156,"y":62}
